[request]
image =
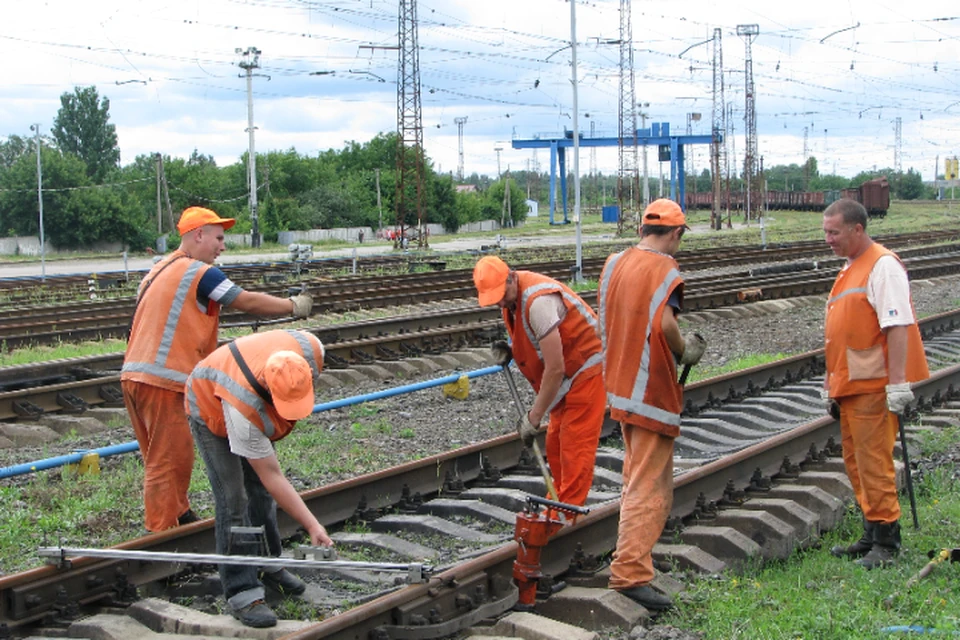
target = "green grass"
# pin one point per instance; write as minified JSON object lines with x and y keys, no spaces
{"x":29,"y":355}
{"x":814,"y":595}
{"x":745,"y":362}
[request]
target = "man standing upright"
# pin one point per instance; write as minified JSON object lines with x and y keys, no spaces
{"x":873,"y":352}
{"x":640,"y":295}
{"x":556,"y":347}
{"x":175,"y":325}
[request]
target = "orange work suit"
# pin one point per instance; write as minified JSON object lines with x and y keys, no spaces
{"x":857,"y":375}
{"x":169,"y":336}
{"x":576,"y":413}
{"x":640,"y":374}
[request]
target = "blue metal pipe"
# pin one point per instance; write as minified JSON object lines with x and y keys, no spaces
{"x":396,"y":391}
{"x":73,"y":458}
{"x":104,"y":452}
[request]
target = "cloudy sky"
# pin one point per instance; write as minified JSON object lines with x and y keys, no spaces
{"x":841,"y":73}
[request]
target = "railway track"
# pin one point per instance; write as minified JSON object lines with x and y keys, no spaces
{"x":22,"y":326}
{"x":756,"y":477}
{"x":72,"y":385}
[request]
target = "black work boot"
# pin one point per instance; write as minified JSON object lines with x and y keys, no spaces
{"x":648,"y":598}
{"x":859,"y":548}
{"x":886,"y":546}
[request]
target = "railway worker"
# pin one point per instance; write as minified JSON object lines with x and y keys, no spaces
{"x":873,"y":353}
{"x":640,"y":295}
{"x":175,"y":325}
{"x":556,"y":347}
{"x":240,"y":399}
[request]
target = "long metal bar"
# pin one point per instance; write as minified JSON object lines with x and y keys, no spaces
{"x":62,"y":553}
{"x":909,"y":473}
{"x":551,"y":489}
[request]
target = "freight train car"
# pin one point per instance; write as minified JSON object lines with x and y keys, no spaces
{"x":874,"y":195}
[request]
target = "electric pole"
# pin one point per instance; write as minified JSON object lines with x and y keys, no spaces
{"x":460,"y":122}
{"x":498,"y":150}
{"x":627,"y":133}
{"x":748,"y":32}
{"x":43,"y":249}
{"x":251,"y":61}
{"x":379,"y":203}
{"x":718,"y":151}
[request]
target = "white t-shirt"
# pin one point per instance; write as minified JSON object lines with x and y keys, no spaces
{"x":888,"y":292}
{"x":546,"y":313}
{"x":246,"y":440}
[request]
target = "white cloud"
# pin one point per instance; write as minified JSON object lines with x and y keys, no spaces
{"x":503,"y":65}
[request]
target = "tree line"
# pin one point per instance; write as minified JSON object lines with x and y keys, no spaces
{"x":90,"y":198}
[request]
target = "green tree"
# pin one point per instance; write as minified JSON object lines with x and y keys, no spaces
{"x":82,"y":127}
{"x":11,"y":149}
{"x":76,"y":213}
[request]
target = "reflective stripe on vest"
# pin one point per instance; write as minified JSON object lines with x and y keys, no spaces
{"x":241,"y":392}
{"x":552,"y":288}
{"x":635,"y":404}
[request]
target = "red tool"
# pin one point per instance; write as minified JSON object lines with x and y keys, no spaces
{"x":534,"y":528}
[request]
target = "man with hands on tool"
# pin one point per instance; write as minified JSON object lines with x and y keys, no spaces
{"x":175,"y":325}
{"x":873,"y":352}
{"x":640,"y":294}
{"x":556,"y":346}
{"x":240,"y":400}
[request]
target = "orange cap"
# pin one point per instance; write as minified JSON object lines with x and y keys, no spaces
{"x":665,"y":213}
{"x":196,"y":217}
{"x":290,"y":382}
{"x":490,"y":276}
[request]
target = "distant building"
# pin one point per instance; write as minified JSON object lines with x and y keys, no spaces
{"x":533,"y":208}
{"x":466,"y":188}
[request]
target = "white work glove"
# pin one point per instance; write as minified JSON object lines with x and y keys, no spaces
{"x":898,"y":397}
{"x":831,"y":405}
{"x":302,"y":304}
{"x":693,"y":347}
{"x":527,"y":430}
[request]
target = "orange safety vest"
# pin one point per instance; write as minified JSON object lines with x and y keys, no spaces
{"x":578,"y":333}
{"x":219,"y":377}
{"x":639,"y":369}
{"x":170,"y":332}
{"x":856,"y":346}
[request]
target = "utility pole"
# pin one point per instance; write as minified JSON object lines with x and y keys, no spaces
{"x":806,"y":161}
{"x":159,"y":206}
{"x":748,"y":32}
{"x":646,"y":184}
{"x":43,"y":247}
{"x":460,"y":122}
{"x":578,"y":275}
{"x":251,"y":61}
{"x":897,"y":145}
{"x":718,"y":151}
{"x":379,"y":203}
{"x":498,"y":150}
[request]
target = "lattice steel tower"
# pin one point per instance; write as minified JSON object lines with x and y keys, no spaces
{"x":718,"y":150}
{"x":628,"y":180}
{"x":748,"y":32}
{"x":410,"y":193}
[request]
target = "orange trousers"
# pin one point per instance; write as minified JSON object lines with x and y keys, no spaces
{"x":868,"y":434}
{"x":166,"y":444}
{"x":645,"y":503}
{"x":572,"y":438}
